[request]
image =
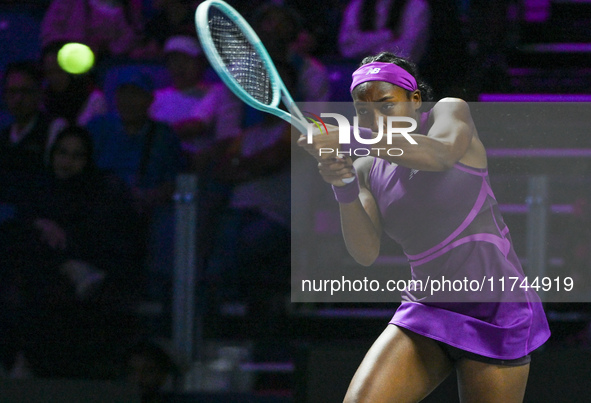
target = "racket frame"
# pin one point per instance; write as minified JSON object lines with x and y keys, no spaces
{"x":278,"y":88}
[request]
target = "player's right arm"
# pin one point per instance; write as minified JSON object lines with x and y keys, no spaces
{"x":360,"y":220}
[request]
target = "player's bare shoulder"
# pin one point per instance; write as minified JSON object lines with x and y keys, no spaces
{"x":456,"y":112}
{"x":456,"y":107}
{"x":453,"y":111}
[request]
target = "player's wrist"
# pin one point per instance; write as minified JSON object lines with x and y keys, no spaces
{"x":346,"y":193}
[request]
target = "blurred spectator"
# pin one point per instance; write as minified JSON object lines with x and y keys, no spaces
{"x":249,"y":266}
{"x":206,"y":117}
{"x":201,"y":113}
{"x":252,"y":249}
{"x":69,"y":266}
{"x":172,"y":18}
{"x":320,"y":33}
{"x":444,"y":64}
{"x":490,"y":38}
{"x":142,"y":152}
{"x":109,"y":27}
{"x":398,"y":26}
{"x":72,"y":97}
{"x":146,"y":155}
{"x":279,"y":28}
{"x":24,"y":143}
{"x":149,"y":366}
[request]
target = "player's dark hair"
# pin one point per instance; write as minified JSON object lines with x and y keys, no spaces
{"x":388,"y":57}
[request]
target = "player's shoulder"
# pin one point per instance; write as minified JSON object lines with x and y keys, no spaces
{"x":455,"y":106}
{"x":459,"y":102}
{"x":363,"y":167}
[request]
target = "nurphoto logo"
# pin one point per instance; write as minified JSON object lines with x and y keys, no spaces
{"x":345,"y":134}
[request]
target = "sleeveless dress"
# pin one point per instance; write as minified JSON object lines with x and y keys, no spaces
{"x":449,"y":226}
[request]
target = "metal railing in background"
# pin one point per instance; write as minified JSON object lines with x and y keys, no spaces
{"x":187,"y":327}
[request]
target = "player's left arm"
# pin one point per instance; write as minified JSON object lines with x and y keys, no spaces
{"x":447,"y":141}
{"x":452,"y":138}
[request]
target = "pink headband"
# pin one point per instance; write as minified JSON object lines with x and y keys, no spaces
{"x":388,"y":72}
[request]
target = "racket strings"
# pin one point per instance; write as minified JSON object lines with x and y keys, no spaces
{"x":240,"y":57}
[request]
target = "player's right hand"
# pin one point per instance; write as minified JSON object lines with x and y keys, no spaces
{"x":334,"y":170}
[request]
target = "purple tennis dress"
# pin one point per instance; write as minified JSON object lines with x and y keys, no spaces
{"x":449,"y":226}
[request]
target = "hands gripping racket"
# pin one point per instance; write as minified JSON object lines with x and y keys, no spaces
{"x":239,"y":57}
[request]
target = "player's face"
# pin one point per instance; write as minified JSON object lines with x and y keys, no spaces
{"x":378,"y":98}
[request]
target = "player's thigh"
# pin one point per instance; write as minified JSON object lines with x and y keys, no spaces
{"x":488,"y":383}
{"x":401,"y":366}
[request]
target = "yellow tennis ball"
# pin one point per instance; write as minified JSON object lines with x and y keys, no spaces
{"x":75,"y":58}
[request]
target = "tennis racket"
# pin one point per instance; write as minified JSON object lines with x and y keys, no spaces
{"x":240,"y":59}
{"x":238,"y":56}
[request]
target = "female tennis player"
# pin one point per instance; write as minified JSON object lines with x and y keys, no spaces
{"x":435,"y":200}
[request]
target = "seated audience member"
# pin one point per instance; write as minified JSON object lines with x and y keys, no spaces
{"x":319,"y":36}
{"x":150,"y":367}
{"x":279,"y":28}
{"x":24,"y":143}
{"x":439,"y":65}
{"x":203,"y":114}
{"x":146,"y":155}
{"x":142,"y":152}
{"x":249,"y":263}
{"x":70,"y":262}
{"x":371,"y":26}
{"x":109,"y":27}
{"x":249,"y":266}
{"x":73,"y":98}
{"x":206,"y":117}
{"x":172,"y":17}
